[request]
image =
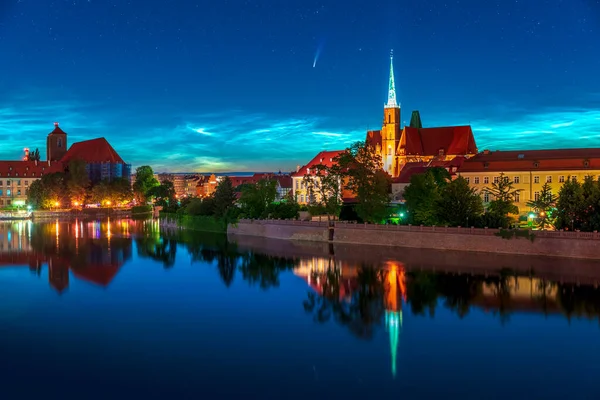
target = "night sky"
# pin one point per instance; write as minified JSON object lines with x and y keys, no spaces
{"x":229,"y":85}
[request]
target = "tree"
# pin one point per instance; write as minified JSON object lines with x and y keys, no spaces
{"x":570,"y":206}
{"x":503,"y":197}
{"x":164,"y":194}
{"x":101,"y":193}
{"x":224,"y":198}
{"x":54,"y":190}
{"x":287,"y":208}
{"x":37,"y":194}
{"x":34,"y":155}
{"x":363,"y":174}
{"x":144,"y":181}
{"x":423,"y":194}
{"x":458,"y":203}
{"x":120,"y":189}
{"x":544,"y":206}
{"x":324,"y":190}
{"x":78,"y":181}
{"x":591,"y":205}
{"x":256,"y":198}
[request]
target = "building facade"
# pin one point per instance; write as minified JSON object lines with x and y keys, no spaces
{"x":299,"y":188}
{"x":528,"y":170}
{"x":15,"y":179}
{"x":398,"y":145}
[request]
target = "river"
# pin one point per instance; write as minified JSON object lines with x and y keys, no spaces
{"x":130,"y":309}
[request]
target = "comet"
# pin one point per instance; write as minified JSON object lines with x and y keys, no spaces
{"x":317,"y":54}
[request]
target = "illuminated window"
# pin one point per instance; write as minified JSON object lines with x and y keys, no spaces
{"x":549,"y":179}
{"x":0,"y":192}
{"x":19,"y":192}
{"x":516,"y":179}
{"x":486,"y":180}
{"x":517,"y":197}
{"x":536,"y":196}
{"x":297,"y":184}
{"x":301,"y":198}
{"x":536,"y":179}
{"x":476,"y":180}
{"x":486,"y":197}
{"x":561,"y":178}
{"x":496,"y":179}
{"x":8,"y":192}
{"x":18,"y":182}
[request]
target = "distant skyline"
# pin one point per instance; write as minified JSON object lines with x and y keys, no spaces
{"x":263,"y":86}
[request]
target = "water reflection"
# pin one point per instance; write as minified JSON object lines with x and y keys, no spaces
{"x":365,"y":300}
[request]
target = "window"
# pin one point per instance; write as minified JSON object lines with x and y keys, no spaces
{"x":8,"y":202}
{"x":516,"y":179}
{"x":0,"y":183}
{"x":517,"y":197}
{"x":549,"y":179}
{"x":301,"y":198}
{"x":574,"y":178}
{"x":486,"y":180}
{"x":476,"y":180}
{"x":59,"y":142}
{"x":536,"y":196}
{"x":536,"y":179}
{"x":8,"y":192}
{"x":468,"y":179}
{"x":486,"y":197}
{"x":389,"y":150}
{"x":19,"y":182}
{"x":26,"y":183}
{"x":19,"y":192}
{"x":297,"y":184}
{"x":0,"y":192}
{"x":496,"y":179}
{"x":561,"y":178}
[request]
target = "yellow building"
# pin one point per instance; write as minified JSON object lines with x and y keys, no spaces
{"x":299,"y":189}
{"x":529,"y":170}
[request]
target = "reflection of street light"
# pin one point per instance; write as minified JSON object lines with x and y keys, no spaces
{"x":56,"y":204}
{"x":108,"y":202}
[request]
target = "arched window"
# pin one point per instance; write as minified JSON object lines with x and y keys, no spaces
{"x":389,"y":118}
{"x":59,"y":142}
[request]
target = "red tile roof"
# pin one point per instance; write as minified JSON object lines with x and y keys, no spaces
{"x":325,"y":157}
{"x":374,"y":138}
{"x":532,"y":160}
{"x":92,"y":151}
{"x":57,"y":130}
{"x":410,"y":169}
{"x":101,"y":275}
{"x":454,"y":140}
{"x":23,"y":169}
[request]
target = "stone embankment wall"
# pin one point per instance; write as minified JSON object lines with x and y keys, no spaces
{"x":81,"y":214}
{"x":585,"y":245}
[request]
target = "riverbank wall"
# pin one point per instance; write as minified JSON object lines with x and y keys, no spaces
{"x":91,"y":213}
{"x":581,"y":245}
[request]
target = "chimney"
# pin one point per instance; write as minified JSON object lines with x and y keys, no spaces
{"x":36,"y":162}
{"x":56,"y":124}
{"x":297,"y":168}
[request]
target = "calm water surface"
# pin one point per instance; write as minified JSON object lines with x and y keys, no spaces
{"x":124,"y":309}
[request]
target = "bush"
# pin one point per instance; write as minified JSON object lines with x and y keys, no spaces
{"x":141,"y":209}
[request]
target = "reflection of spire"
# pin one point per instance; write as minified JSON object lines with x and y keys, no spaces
{"x":393,"y":323}
{"x":396,"y":291}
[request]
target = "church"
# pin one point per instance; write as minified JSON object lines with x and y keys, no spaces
{"x":400,"y":145}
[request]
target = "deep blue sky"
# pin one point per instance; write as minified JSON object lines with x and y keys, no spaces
{"x":229,"y":85}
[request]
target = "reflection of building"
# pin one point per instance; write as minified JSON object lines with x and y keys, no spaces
{"x":100,"y":249}
{"x":317,"y":271}
{"x":522,"y":294}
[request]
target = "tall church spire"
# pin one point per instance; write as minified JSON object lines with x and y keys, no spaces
{"x":391,"y":103}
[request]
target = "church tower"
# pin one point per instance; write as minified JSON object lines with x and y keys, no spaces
{"x":390,"y":131}
{"x":56,"y":144}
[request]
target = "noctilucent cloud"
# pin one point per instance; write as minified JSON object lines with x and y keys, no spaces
{"x":264,"y":85}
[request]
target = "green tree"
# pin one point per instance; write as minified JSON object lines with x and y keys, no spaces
{"x":544,"y":207}
{"x":324,"y":190}
{"x":78,"y":181}
{"x":256,"y":198}
{"x":37,"y":194}
{"x":163,"y":194}
{"x":458,"y":204}
{"x":120,"y":189}
{"x":423,"y":194}
{"x":570,"y":206}
{"x":591,"y":206}
{"x":502,"y":203}
{"x":224,"y":198}
{"x":54,"y":190}
{"x":363,"y":175}
{"x":144,"y":181}
{"x":102,"y":193}
{"x":287,"y":208}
